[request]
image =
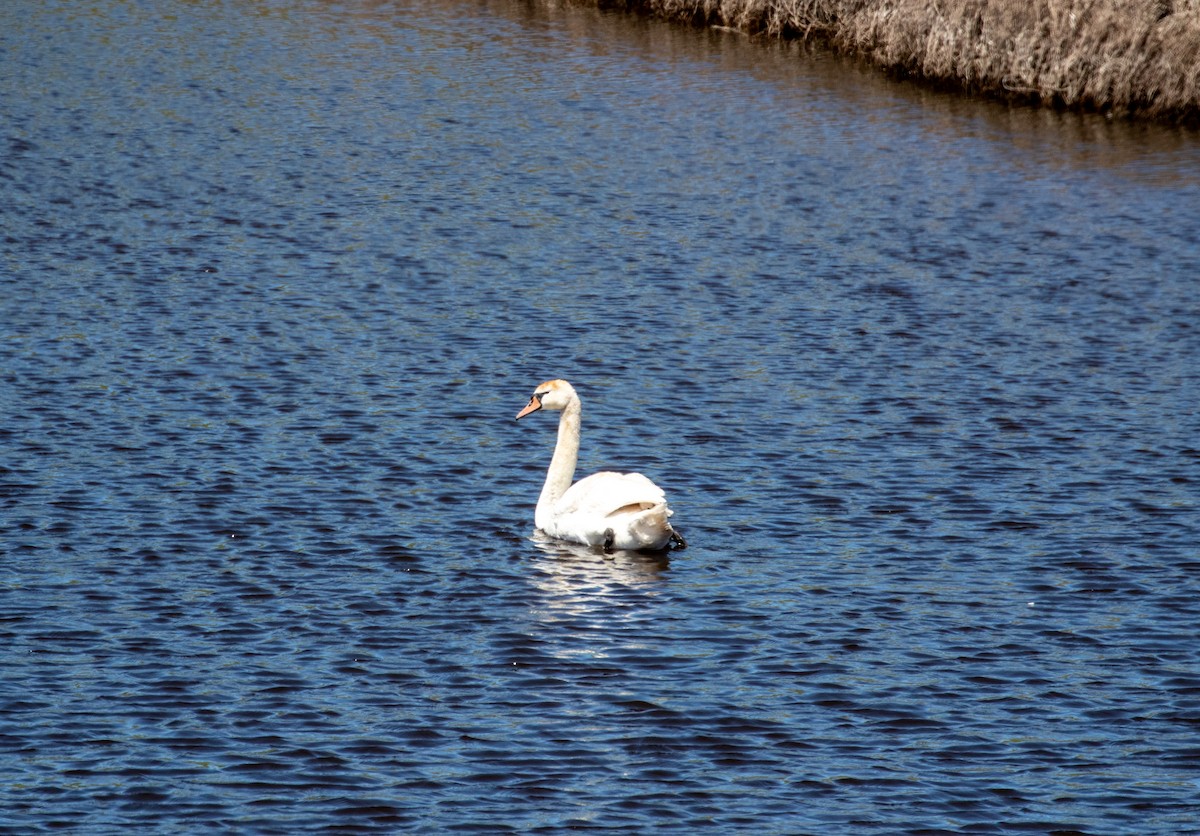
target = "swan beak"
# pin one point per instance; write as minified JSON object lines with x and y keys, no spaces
{"x":533,"y":406}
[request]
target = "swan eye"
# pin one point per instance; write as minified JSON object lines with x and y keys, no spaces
{"x":540,"y":395}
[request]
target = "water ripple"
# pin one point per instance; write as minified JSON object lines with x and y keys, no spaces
{"x":918,"y":374}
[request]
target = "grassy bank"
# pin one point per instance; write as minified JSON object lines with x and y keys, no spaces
{"x":1135,"y":58}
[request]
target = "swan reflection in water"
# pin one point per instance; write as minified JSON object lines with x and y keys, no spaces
{"x":600,"y":595}
{"x":592,"y":563}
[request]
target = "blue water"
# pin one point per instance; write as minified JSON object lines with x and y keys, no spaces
{"x":919,"y":374}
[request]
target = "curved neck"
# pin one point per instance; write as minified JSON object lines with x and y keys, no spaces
{"x":562,"y":465}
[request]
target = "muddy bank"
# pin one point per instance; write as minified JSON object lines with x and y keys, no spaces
{"x":1128,"y":58}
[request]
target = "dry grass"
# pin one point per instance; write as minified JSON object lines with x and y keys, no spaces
{"x":1138,"y":58}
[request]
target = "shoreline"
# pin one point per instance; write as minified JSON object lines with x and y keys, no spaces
{"x":1132,"y":59}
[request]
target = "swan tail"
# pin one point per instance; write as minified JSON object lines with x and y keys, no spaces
{"x":650,"y":529}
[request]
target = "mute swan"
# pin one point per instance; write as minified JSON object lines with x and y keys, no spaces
{"x":613,"y":510}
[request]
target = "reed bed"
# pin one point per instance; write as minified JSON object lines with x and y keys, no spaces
{"x":1130,"y":58}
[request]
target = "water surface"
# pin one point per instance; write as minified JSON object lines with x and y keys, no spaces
{"x":918,"y":373}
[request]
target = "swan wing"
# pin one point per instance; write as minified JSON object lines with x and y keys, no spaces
{"x":604,"y":494}
{"x":624,"y":510}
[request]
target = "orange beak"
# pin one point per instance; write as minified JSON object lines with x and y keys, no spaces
{"x":533,"y":406}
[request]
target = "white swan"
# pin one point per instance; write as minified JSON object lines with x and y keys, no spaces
{"x":612,"y":510}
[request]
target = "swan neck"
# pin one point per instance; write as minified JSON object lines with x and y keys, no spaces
{"x":562,"y":465}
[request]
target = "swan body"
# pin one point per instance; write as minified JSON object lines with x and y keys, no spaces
{"x":611,"y":510}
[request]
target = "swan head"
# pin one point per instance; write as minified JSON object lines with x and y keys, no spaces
{"x":553,"y":394}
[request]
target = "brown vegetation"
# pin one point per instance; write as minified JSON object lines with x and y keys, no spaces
{"x":1138,"y":58}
